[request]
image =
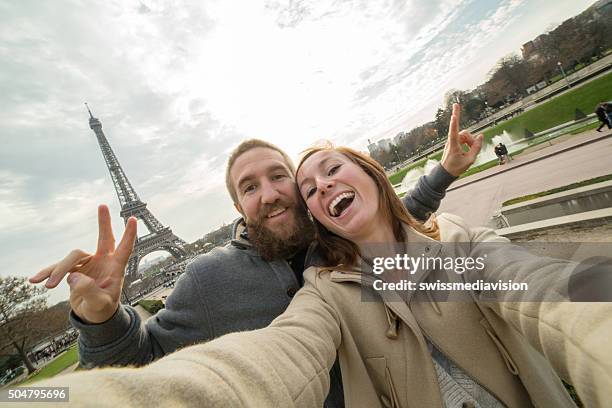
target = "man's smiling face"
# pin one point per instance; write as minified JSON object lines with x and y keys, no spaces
{"x":267,"y":199}
{"x":265,"y":188}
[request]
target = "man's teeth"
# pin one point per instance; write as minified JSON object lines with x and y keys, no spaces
{"x":276,"y":212}
{"x":334,"y":203}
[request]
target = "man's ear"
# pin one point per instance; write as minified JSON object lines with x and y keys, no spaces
{"x":239,"y":209}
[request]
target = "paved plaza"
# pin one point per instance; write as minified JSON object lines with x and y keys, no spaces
{"x":478,"y":197}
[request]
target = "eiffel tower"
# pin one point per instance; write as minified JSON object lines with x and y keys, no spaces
{"x":159,"y":236}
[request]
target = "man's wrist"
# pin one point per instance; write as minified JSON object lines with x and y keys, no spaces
{"x":453,"y":172}
{"x":439,"y":179}
{"x":101,"y":318}
{"x":95,"y":335}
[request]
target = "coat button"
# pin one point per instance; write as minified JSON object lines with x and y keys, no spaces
{"x":385,"y":401}
{"x":291,"y":291}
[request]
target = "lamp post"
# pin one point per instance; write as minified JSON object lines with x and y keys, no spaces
{"x":396,"y":154}
{"x":563,"y":73}
{"x":488,"y":111}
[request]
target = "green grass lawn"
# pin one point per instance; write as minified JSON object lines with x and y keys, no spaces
{"x":558,"y":110}
{"x":399,"y":176}
{"x":151,"y":305}
{"x":56,"y":366}
{"x":583,"y":183}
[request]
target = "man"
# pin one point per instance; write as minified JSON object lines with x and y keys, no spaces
{"x":602,"y":115}
{"x":242,"y":286}
{"x":504,"y":152}
{"x":501,"y":151}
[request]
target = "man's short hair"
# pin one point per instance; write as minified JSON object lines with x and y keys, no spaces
{"x":244,"y":147}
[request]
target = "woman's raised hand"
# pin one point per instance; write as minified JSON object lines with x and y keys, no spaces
{"x":454,"y":159}
{"x":95,"y":280}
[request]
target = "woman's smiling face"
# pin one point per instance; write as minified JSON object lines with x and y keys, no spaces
{"x":340,"y":195}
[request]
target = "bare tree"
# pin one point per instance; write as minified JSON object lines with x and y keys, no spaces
{"x":53,"y":321}
{"x":442,"y":120}
{"x":515,"y":71}
{"x":599,"y":32}
{"x":473,"y":106}
{"x":509,"y":77}
{"x":576,"y":40}
{"x":20,"y":307}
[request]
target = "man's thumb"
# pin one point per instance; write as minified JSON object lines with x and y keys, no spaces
{"x":80,"y":283}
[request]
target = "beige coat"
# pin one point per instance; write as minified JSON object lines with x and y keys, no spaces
{"x":384,"y":358}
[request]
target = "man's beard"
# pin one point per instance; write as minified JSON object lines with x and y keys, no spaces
{"x":270,"y":245}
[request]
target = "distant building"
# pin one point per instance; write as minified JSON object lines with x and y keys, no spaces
{"x":398,"y":138}
{"x":530,"y":49}
{"x":381,"y":145}
{"x":384,"y":144}
{"x":372,"y":147}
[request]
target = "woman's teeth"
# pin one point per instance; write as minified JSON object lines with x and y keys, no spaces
{"x":333,"y":208}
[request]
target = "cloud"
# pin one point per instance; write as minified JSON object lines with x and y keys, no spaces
{"x":14,"y":209}
{"x":21,"y":215}
{"x":426,"y":67}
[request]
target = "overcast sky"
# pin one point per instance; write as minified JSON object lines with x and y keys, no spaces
{"x":177,"y":84}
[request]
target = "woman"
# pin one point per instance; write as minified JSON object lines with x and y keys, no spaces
{"x":401,"y":349}
{"x":432,"y":353}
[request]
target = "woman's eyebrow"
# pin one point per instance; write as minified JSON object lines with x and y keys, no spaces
{"x":320,"y":166}
{"x":303,"y":182}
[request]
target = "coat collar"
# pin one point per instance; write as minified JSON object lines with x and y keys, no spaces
{"x":416,"y":244}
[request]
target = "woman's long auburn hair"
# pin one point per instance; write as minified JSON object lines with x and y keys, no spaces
{"x":340,"y":251}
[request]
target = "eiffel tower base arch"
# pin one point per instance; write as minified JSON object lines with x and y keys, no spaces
{"x":163,"y":240}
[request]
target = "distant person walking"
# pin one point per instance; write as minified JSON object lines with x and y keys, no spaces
{"x":603,"y":112}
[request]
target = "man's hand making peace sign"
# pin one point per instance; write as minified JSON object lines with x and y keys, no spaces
{"x":454,"y":159}
{"x":95,"y":280}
